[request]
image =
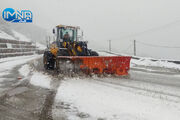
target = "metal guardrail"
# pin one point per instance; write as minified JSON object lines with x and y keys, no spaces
{"x":14,"y":41}
{"x":15,"y":54}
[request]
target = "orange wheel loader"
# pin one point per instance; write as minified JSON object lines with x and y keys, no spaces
{"x":70,"y":54}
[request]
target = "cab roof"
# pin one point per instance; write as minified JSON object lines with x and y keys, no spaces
{"x":66,"y":26}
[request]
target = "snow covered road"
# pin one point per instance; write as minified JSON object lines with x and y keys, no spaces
{"x":8,"y":64}
{"x":20,"y":100}
{"x":151,"y":92}
{"x":40,"y":95}
{"x":143,"y":96}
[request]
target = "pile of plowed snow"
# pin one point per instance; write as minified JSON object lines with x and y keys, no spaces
{"x":154,"y":63}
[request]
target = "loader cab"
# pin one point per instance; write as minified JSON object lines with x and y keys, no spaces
{"x":66,"y":33}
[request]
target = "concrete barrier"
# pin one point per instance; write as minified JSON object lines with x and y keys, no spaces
{"x":12,"y":48}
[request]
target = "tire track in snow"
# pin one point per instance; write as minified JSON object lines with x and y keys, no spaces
{"x":158,"y":93}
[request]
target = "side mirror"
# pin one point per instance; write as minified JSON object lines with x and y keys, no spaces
{"x":53,"y":31}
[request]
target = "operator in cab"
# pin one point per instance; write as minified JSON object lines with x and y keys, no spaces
{"x":66,"y":37}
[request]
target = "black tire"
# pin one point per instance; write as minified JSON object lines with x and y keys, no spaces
{"x":45,"y":60}
{"x":93,"y":53}
{"x":48,"y":60}
{"x":63,"y":53}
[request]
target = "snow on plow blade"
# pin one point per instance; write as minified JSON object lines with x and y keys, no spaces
{"x":118,"y":65}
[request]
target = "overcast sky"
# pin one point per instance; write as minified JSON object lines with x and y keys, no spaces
{"x":154,"y":22}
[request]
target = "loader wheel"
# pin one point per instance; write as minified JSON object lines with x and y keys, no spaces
{"x":86,"y":70}
{"x":63,"y":53}
{"x":45,"y":60}
{"x":48,"y":60}
{"x":96,"y":71}
{"x":93,"y":53}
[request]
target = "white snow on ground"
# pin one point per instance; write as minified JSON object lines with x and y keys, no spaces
{"x":1,"y":80}
{"x":7,"y":64}
{"x":158,"y":63}
{"x":3,"y":60}
{"x":112,"y":102}
{"x":24,"y":70}
{"x":20,"y":36}
{"x":4,"y":73}
{"x":39,"y":79}
{"x":5,"y":35}
{"x":105,"y":54}
{"x":40,"y":46}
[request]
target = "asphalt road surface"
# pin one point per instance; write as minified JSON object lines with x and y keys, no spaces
{"x":19,"y":100}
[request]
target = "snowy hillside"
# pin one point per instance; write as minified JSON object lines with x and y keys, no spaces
{"x":31,"y":32}
{"x":5,"y":35}
{"x":20,"y":37}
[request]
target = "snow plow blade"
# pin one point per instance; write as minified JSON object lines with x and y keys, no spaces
{"x":118,"y":65}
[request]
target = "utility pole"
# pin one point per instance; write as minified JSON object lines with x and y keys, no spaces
{"x":109,"y":45}
{"x":49,"y":39}
{"x":46,"y":42}
{"x":134,"y":47}
{"x":35,"y":47}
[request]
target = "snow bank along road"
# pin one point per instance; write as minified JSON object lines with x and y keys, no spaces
{"x":144,"y":95}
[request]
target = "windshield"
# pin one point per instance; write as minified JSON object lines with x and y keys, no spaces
{"x":67,"y":31}
{"x":67,"y":34}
